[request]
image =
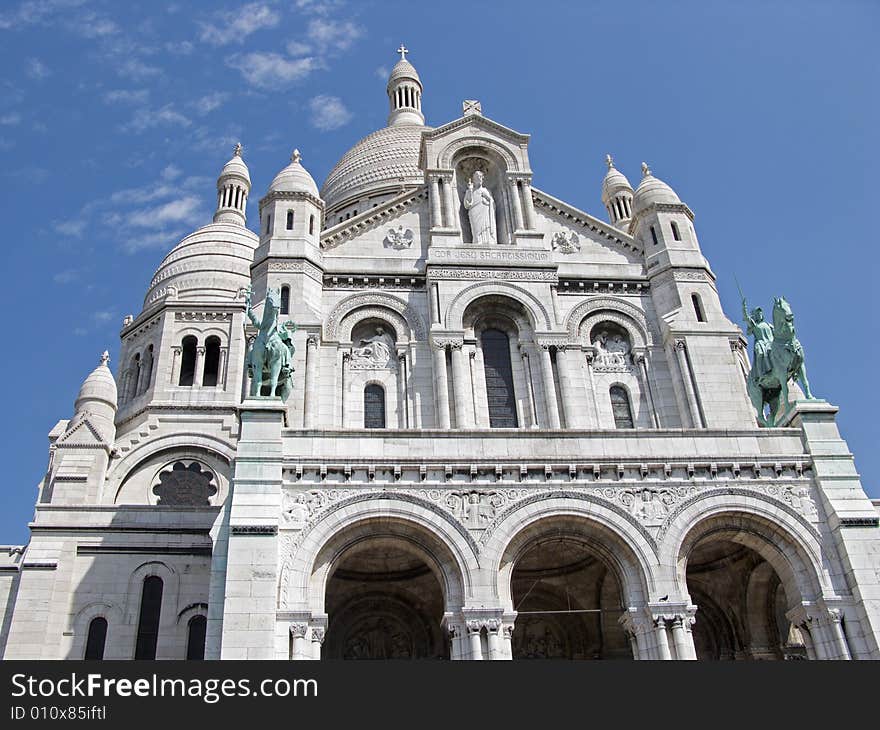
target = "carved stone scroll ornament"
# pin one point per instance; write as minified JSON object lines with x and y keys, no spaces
{"x":566,"y":242}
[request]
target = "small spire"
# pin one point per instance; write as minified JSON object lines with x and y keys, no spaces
{"x":105,"y":358}
{"x":645,"y":169}
{"x":403,"y":50}
{"x":236,"y":152}
{"x":609,"y":160}
{"x":296,"y":156}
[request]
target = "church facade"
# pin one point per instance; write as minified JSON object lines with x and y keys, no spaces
{"x":514,"y":431}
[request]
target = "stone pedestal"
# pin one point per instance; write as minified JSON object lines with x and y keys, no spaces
{"x":851,"y":519}
{"x":252,"y":557}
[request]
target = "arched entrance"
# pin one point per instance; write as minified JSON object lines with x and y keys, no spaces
{"x":568,"y":602}
{"x":571,"y":580}
{"x":743,"y":586}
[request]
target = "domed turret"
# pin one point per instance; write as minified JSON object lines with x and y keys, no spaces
{"x":97,"y":398}
{"x":294,"y":178}
{"x":617,"y":195}
{"x":233,"y":188}
{"x":652,"y":190}
{"x":405,"y":92}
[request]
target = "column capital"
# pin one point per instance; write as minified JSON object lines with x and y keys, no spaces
{"x":298,"y":630}
{"x":318,"y":634}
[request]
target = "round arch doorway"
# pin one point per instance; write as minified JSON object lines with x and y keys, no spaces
{"x":384,"y":601}
{"x":741,"y":604}
{"x":568,"y":602}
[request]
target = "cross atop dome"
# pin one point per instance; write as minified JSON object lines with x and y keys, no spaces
{"x":645,"y":169}
{"x":105,"y":357}
{"x":296,"y":156}
{"x":609,"y":160}
{"x":403,"y":50}
{"x":236,"y":151}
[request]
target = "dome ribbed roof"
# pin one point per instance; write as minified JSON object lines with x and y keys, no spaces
{"x":652,"y":190}
{"x":99,"y":386}
{"x":294,"y":179}
{"x":403,"y":69}
{"x":236,"y":166}
{"x":212,"y":263}
{"x":378,"y":161}
{"x":614,"y":181}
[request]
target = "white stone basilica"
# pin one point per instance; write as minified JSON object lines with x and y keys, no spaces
{"x":516,"y":431}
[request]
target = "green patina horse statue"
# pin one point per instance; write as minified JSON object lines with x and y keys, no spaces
{"x":270,"y":359}
{"x":777,"y":358}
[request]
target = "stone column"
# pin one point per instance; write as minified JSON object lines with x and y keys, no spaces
{"x":646,"y":384}
{"x":687,"y":380}
{"x":450,"y":203}
{"x":461,"y":386}
{"x":221,"y":369}
{"x":436,"y":210}
{"x":249,"y":604}
{"x":662,"y":639}
{"x":531,"y":414}
{"x":835,"y":624}
{"x":311,"y":389}
{"x":176,"y":356}
{"x":298,"y":633}
{"x":549,"y":387}
{"x":317,"y":633}
{"x":200,"y":367}
{"x":493,"y":629}
{"x":508,"y":640}
{"x":343,"y":377}
{"x":441,"y":385}
{"x":528,"y":205}
{"x":481,"y":405}
{"x":572,"y":396}
{"x":402,"y":397}
{"x":681,"y":638}
{"x":474,"y":627}
{"x":517,"y":204}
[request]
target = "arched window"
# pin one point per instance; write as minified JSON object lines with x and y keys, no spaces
{"x":698,"y":307}
{"x":654,"y":235}
{"x":148,"y":369}
{"x":289,"y":220}
{"x":211,"y":375}
{"x":311,"y":225}
{"x":195,"y":637}
{"x":675,"y":234}
{"x":148,"y":621}
{"x":188,"y":361}
{"x":268,"y":223}
{"x":620,"y":407}
{"x":135,"y":376}
{"x":285,"y":299}
{"x":499,"y":379}
{"x":374,"y":406}
{"x":96,"y":638}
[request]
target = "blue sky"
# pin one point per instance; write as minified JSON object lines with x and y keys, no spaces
{"x":115,"y":119}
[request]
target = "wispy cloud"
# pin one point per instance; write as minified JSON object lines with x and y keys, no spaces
{"x":382,"y":72}
{"x":272,"y":70}
{"x":35,"y":69}
{"x":134,"y":68}
{"x":145,"y":119}
{"x":30,"y":12}
{"x":66,"y":277}
{"x":74,"y":227}
{"x":11,"y":119}
{"x":333,"y":35}
{"x":328,"y":112}
{"x":208,"y":103}
{"x":127,"y":96}
{"x":93,"y":25}
{"x":236,"y":25}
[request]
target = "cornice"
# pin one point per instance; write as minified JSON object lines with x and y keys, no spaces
{"x":341,"y":232}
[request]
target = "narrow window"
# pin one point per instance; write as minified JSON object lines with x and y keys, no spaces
{"x":289,"y":220}
{"x":211,"y":375}
{"x":311,"y":225}
{"x":147,"y":366}
{"x":675,"y":234}
{"x":188,"y":361}
{"x":195,"y":637}
{"x":135,"y":375}
{"x":268,"y":223}
{"x":285,"y":300}
{"x":620,"y":407}
{"x":654,"y":235}
{"x":96,"y":638}
{"x":148,"y":622}
{"x":374,"y":406}
{"x":698,"y":307}
{"x":355,"y":211}
{"x":500,"y":396}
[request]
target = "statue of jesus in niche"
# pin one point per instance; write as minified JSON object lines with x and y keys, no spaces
{"x":480,"y":205}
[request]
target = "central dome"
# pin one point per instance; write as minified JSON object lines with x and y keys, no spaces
{"x":383,"y":160}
